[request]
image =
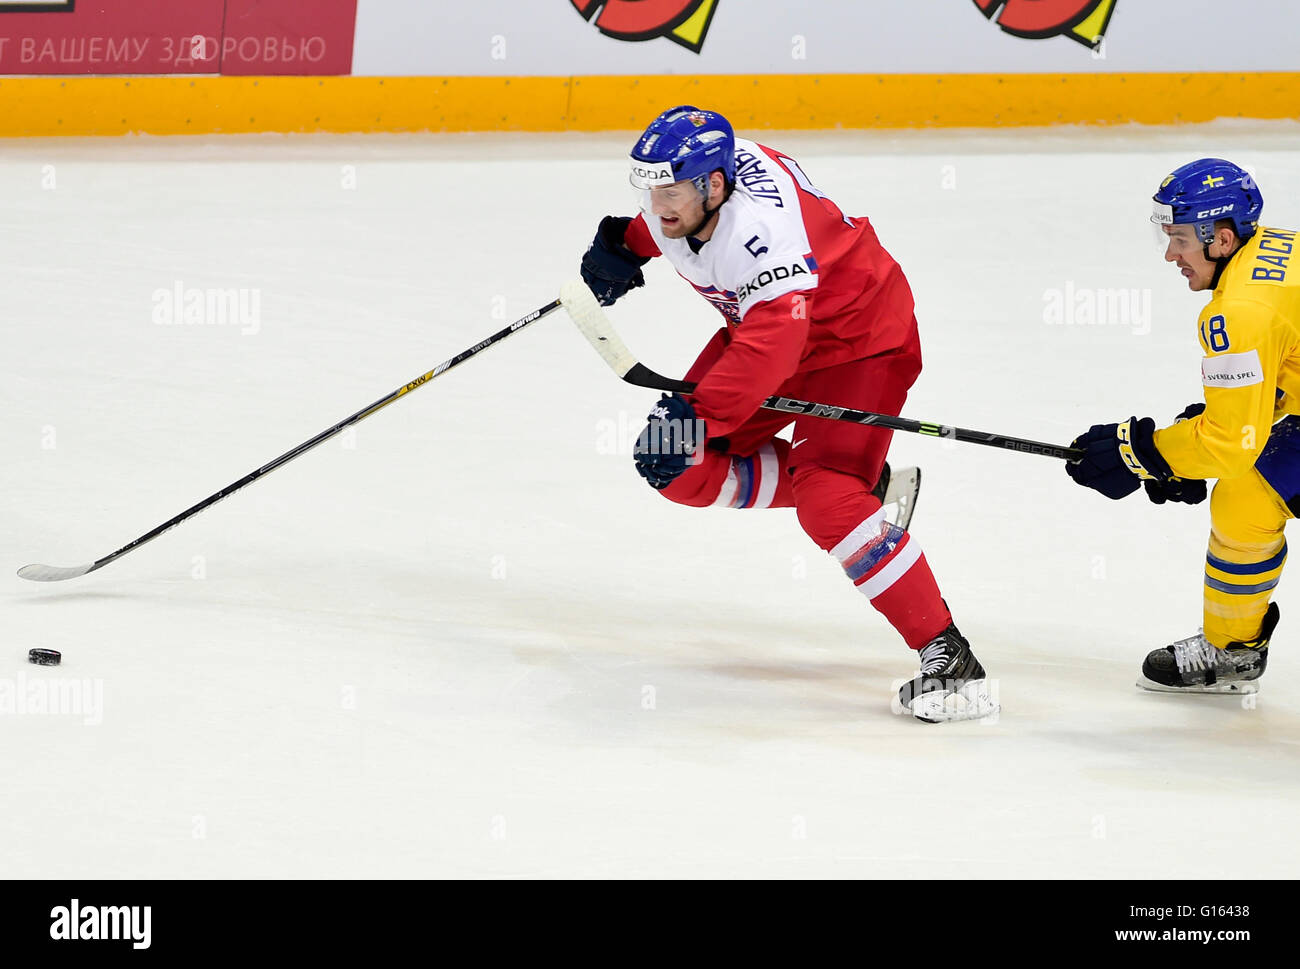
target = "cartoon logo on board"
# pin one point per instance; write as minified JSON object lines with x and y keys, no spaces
{"x":1084,"y":21}
{"x":684,"y":22}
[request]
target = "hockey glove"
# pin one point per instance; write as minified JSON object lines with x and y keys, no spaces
{"x":609,"y":268}
{"x":1191,"y":491}
{"x":1117,"y":457}
{"x":667,"y":445}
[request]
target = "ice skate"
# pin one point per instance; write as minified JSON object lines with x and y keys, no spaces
{"x":1192,"y":665}
{"x":897,"y":491}
{"x":951,"y":683}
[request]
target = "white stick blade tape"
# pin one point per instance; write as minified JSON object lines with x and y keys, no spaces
{"x":52,"y":573}
{"x":590,"y":319}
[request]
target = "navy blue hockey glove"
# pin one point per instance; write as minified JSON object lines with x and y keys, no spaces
{"x":667,"y":445}
{"x":609,"y":268}
{"x":1117,"y":457}
{"x":1190,"y":491}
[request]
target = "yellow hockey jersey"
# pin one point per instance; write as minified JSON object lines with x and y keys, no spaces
{"x":1250,"y":334}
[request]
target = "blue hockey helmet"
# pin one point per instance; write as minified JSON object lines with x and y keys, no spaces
{"x":1204,"y":191}
{"x":684,"y":143}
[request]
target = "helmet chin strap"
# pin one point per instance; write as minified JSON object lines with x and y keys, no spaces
{"x":1220,"y":264}
{"x":709,"y":213}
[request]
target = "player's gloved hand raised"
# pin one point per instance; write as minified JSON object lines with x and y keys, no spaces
{"x":610,"y":268}
{"x":1116,"y":457}
{"x":668,"y":444}
{"x":1191,"y":491}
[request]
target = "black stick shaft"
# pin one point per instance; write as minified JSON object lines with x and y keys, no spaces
{"x":643,"y":376}
{"x":326,"y":434}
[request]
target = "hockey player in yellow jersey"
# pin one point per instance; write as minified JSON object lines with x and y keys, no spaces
{"x":1245,"y":434}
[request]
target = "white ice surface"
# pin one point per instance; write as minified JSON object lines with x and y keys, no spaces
{"x":431,"y":649}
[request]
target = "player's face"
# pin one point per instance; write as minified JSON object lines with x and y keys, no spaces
{"x":1184,"y":248}
{"x":678,"y":207}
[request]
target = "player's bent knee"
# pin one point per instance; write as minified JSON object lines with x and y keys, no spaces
{"x":1247,"y":509}
{"x":699,"y":485}
{"x":755,"y":480}
{"x":830,"y":503}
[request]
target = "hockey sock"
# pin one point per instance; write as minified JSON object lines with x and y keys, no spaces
{"x":885,"y":563}
{"x":1239,"y":581}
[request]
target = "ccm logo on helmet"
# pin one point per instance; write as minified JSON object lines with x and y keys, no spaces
{"x":1211,"y":213}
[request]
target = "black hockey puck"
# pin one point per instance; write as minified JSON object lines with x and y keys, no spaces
{"x":44,"y":657}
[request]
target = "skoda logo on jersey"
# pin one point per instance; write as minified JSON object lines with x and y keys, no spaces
{"x":684,"y":22}
{"x":1084,"y":21}
{"x":766,"y":278}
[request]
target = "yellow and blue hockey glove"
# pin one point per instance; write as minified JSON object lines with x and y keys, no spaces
{"x":1118,"y":457}
{"x":1191,"y":491}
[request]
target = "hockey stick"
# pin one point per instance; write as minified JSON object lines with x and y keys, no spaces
{"x":50,"y":573}
{"x":600,"y":333}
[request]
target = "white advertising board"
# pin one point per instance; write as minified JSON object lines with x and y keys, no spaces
{"x":576,"y":37}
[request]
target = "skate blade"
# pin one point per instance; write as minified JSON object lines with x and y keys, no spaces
{"x":1233,"y":688}
{"x":900,"y":497}
{"x":971,"y":702}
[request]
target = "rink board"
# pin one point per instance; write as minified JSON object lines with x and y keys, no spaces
{"x":207,"y":105}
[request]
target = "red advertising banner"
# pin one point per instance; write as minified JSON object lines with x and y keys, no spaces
{"x":288,"y":36}
{"x":177,"y":36}
{"x":111,"y":37}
